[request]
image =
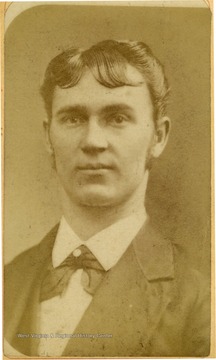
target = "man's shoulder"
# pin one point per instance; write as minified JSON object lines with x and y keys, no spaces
{"x":183,"y":267}
{"x":189,"y":291}
{"x":163,"y":259}
{"x":32,"y":256}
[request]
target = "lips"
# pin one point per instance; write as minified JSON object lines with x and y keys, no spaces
{"x":97,"y":166}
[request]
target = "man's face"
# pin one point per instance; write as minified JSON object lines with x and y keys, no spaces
{"x":101,"y":139}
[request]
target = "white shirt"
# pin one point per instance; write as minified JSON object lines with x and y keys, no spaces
{"x":62,"y":314}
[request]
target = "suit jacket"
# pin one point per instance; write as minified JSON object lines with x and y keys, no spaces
{"x":149,"y":302}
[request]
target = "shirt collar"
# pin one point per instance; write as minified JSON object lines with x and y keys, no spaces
{"x":107,"y":246}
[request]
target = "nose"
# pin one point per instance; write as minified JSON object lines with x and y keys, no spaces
{"x":94,"y":139}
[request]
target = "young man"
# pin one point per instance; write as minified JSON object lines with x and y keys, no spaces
{"x":103,"y":282}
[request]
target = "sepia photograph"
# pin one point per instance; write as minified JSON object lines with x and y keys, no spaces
{"x":107,"y":221}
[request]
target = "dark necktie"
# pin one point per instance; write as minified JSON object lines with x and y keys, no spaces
{"x":56,"y":279}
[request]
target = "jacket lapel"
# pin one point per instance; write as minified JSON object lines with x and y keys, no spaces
{"x":129,"y":303}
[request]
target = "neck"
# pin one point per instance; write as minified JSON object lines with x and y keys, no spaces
{"x":86,"y":221}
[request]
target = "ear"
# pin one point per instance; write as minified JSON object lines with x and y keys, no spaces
{"x":161,"y":136}
{"x":46,"y":127}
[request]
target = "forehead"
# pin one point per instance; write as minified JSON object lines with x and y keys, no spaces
{"x":93,"y":95}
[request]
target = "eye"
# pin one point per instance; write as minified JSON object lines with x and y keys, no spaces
{"x":73,"y":120}
{"x":118,"y":119}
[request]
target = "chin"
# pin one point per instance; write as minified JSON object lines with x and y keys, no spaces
{"x":96,"y":199}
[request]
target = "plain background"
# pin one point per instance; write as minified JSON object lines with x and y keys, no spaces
{"x":179,"y":191}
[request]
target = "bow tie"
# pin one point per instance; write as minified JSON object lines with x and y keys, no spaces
{"x":56,"y":279}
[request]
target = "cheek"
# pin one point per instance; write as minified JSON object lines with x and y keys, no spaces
{"x":62,"y":158}
{"x":138,"y":147}
{"x":137,"y":155}
{"x":62,"y":145}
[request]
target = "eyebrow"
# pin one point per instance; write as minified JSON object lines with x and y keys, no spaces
{"x":73,"y":108}
{"x":116,"y":107}
{"x":84,"y":110}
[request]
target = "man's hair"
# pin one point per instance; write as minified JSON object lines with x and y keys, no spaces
{"x":107,"y":61}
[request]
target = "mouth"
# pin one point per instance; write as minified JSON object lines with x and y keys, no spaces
{"x":94,"y":167}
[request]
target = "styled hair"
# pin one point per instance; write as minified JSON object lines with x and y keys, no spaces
{"x":107,"y":61}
